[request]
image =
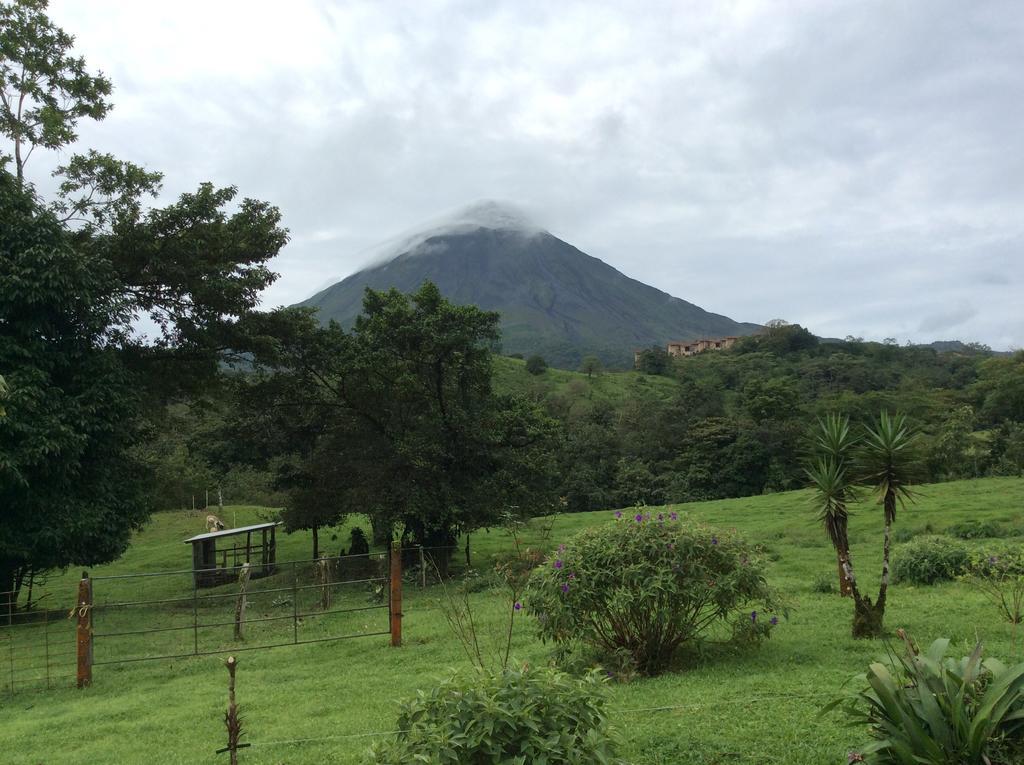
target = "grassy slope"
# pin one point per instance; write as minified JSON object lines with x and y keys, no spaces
{"x":746,"y":709}
{"x":610,"y":387}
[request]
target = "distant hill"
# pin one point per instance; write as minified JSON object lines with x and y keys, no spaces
{"x":554,"y":300}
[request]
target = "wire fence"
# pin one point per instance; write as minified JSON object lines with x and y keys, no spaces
{"x":37,"y":648}
{"x":303,"y":601}
{"x":162,"y":615}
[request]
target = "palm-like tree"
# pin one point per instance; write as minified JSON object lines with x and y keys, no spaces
{"x":834,"y":490}
{"x":887,"y":461}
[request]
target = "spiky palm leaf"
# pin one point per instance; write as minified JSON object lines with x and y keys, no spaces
{"x":888,"y":461}
{"x":832,"y":443}
{"x":833,"y":491}
{"x":833,"y":437}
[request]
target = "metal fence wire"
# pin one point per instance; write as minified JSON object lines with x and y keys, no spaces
{"x":307,"y":601}
{"x":37,"y":648}
{"x":148,"y":616}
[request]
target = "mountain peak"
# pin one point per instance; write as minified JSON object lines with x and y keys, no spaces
{"x":485,"y":214}
{"x":492,"y":213}
{"x":553,"y":299}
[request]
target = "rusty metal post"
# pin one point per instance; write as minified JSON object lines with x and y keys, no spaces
{"x":83,"y":611}
{"x":395,"y":594}
{"x":423,"y":570}
{"x":46,"y":645}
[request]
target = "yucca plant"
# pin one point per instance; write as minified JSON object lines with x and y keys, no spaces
{"x":831,"y":444}
{"x":926,"y":709}
{"x":886,"y":459}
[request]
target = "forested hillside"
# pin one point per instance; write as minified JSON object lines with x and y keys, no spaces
{"x":715,"y":425}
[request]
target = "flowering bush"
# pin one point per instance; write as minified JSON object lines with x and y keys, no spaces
{"x":648,"y":584}
{"x":515,"y":716}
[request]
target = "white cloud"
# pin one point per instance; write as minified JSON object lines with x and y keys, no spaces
{"x":852,"y":165}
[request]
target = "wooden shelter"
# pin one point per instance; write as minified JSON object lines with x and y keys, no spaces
{"x":256,"y":545}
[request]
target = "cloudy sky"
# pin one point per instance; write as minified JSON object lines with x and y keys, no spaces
{"x":857,"y":167}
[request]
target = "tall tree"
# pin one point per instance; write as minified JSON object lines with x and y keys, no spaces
{"x":419,"y":438}
{"x":70,"y":490}
{"x":44,"y":88}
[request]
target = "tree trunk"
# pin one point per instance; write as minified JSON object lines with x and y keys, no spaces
{"x":438,"y":544}
{"x":867,"y":618}
{"x":316,"y":543}
{"x":845,"y":586}
{"x":883,"y":588}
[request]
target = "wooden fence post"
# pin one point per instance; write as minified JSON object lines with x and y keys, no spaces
{"x":240,"y":603}
{"x":84,"y":632}
{"x":231,"y":719}
{"x":395,"y":597}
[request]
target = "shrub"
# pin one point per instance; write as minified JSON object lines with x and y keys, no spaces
{"x":999,"y":575}
{"x":929,"y":710}
{"x":975,"y":530}
{"x":515,"y":716}
{"x":930,"y":559}
{"x":648,"y":585}
{"x":824,"y":584}
{"x":903,"y":535}
{"x":536,"y":365}
{"x":359,"y":544}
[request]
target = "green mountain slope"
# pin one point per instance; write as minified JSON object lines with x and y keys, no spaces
{"x":554,"y":299}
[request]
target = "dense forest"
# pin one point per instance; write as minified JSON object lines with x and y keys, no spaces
{"x":716,"y":425}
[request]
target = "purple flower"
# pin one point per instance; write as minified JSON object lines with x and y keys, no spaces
{"x":660,"y":517}
{"x":558,"y":563}
{"x":565,"y":587}
{"x":674,"y":516}
{"x":638,"y":518}
{"x":517,"y":606}
{"x":714,"y":540}
{"x":571,"y":575}
{"x":773,"y":621}
{"x":993,"y":560}
{"x":618,"y":513}
{"x":753,"y":616}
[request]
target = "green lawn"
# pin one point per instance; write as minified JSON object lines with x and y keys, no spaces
{"x":753,"y":708}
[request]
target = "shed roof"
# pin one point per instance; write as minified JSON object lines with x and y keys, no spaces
{"x":231,"y":532}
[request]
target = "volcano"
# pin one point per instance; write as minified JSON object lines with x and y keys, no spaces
{"x":554,"y":300}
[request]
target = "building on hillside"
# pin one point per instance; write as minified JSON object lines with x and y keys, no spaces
{"x":691,"y":347}
{"x":694,"y":347}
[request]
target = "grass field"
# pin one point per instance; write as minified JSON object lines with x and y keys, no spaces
{"x":754,"y":708}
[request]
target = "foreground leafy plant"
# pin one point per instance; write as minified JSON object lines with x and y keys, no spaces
{"x":515,"y":716}
{"x":926,"y":709}
{"x":647,"y":585}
